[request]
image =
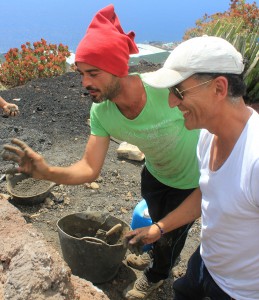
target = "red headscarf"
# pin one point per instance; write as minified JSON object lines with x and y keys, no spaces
{"x":105,"y":44}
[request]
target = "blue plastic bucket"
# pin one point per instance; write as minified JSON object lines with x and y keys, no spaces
{"x":141,"y":218}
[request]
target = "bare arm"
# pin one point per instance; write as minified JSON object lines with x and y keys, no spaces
{"x":2,"y":102}
{"x":188,"y":211}
{"x":185,"y":213}
{"x":85,"y":170}
{"x":88,"y":168}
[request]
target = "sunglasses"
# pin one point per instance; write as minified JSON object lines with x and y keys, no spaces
{"x":180,"y":94}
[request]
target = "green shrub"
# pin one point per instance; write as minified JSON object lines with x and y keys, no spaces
{"x":240,"y":26}
{"x":33,"y":61}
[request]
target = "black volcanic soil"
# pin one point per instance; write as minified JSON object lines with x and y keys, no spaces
{"x":53,"y":121}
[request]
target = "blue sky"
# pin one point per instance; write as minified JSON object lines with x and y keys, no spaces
{"x":63,"y":21}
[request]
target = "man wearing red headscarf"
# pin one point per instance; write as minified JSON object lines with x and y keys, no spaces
{"x":105,"y":45}
{"x":128,"y":109}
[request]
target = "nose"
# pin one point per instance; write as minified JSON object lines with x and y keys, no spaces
{"x":173,"y":100}
{"x":85,"y":81}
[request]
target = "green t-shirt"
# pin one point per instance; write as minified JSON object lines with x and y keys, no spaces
{"x":159,"y":132}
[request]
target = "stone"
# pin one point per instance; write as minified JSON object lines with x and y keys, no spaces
{"x":30,"y":269}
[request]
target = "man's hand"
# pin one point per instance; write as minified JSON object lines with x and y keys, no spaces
{"x":136,"y":239}
{"x":30,"y":162}
{"x":136,"y":248}
{"x":11,"y":109}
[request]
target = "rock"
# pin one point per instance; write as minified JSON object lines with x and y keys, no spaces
{"x":110,"y":208}
{"x":48,"y":202}
{"x":94,"y":186}
{"x":66,"y":201}
{"x":128,"y":196}
{"x":32,"y":270}
{"x":126,"y":150}
{"x":87,"y":185}
{"x":124,"y":210}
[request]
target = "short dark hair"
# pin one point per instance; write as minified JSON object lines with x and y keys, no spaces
{"x":236,"y":84}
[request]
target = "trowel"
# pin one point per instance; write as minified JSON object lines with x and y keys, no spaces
{"x":109,"y":236}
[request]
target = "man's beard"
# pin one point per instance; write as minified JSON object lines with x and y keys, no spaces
{"x":110,"y":92}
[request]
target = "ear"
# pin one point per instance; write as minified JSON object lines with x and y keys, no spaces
{"x":221,"y":87}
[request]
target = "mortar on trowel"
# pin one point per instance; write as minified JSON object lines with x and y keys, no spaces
{"x":92,"y":244}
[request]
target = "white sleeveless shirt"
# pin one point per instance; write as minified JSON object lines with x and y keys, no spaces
{"x":230,"y":214}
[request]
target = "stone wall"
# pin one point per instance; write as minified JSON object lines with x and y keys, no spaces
{"x":32,"y":270}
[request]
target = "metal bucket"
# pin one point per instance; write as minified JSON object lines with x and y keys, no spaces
{"x":87,"y":256}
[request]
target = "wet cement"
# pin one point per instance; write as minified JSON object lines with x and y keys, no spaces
{"x":30,"y":187}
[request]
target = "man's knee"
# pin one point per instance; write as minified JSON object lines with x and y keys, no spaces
{"x":181,"y":288}
{"x":182,"y":291}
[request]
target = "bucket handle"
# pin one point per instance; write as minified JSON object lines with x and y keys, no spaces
{"x":93,"y":240}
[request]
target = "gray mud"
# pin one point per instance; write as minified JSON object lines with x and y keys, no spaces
{"x":30,"y":187}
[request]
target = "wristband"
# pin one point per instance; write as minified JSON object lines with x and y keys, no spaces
{"x":160,"y":229}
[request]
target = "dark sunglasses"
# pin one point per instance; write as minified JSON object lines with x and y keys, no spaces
{"x":179,"y":94}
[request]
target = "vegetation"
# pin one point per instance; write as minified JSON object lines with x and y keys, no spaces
{"x":240,"y":26}
{"x":33,"y":61}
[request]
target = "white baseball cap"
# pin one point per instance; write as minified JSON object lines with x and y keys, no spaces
{"x":205,"y":54}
